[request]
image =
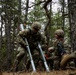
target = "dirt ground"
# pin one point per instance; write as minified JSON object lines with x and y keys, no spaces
{"x":61,"y":72}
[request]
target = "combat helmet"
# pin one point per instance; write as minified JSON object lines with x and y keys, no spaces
{"x":36,"y":26}
{"x":59,"y":32}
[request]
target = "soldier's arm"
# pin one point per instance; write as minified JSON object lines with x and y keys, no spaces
{"x":24,"y":33}
{"x":21,"y":37}
{"x":51,"y":49}
{"x":44,"y":42}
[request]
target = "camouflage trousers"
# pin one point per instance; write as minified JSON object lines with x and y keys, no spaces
{"x":37,"y":61}
{"x":56,"y":64}
{"x":23,"y":52}
{"x":53,"y":62}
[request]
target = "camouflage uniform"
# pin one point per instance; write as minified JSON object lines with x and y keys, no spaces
{"x":33,"y":37}
{"x":58,"y":48}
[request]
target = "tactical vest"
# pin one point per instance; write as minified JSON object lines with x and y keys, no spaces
{"x":33,"y":39}
{"x":59,"y":49}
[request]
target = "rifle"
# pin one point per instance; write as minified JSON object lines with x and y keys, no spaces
{"x":28,"y":48}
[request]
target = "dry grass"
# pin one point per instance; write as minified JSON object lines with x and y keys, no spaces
{"x":62,"y":72}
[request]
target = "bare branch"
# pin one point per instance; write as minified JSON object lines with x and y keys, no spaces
{"x":46,"y":3}
{"x":47,"y":13}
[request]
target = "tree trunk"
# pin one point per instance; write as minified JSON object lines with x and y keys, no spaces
{"x":72,"y":20}
{"x":26,"y":11}
{"x":8,"y":34}
{"x":1,"y":33}
{"x":62,"y":3}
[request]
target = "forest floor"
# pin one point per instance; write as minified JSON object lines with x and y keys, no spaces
{"x":61,"y":72}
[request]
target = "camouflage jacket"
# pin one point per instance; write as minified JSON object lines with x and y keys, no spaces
{"x":59,"y":47}
{"x":32,"y":38}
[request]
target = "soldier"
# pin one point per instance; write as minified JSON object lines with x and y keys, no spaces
{"x":58,"y":47}
{"x":33,"y":37}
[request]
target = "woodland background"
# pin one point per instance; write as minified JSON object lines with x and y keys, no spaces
{"x":15,"y":12}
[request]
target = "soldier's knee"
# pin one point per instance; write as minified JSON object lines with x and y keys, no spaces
{"x":20,"y":55}
{"x":56,"y":65}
